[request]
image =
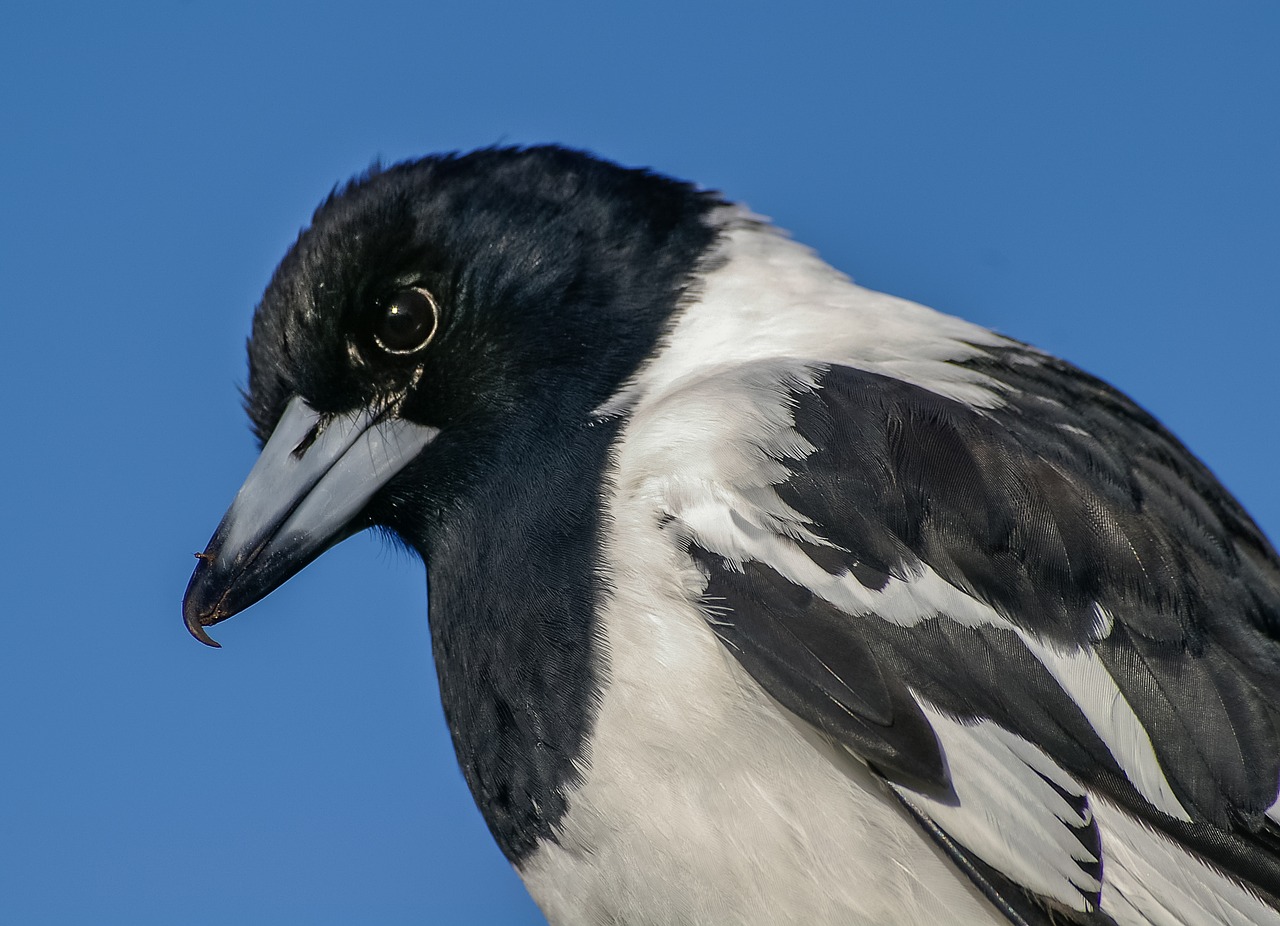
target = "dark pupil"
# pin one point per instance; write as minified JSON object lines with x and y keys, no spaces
{"x":406,"y":322}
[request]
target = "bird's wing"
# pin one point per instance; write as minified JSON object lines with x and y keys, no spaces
{"x":1043,"y":622}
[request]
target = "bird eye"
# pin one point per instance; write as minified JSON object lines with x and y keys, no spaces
{"x":406,"y":323}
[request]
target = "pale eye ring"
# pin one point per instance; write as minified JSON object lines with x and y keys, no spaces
{"x":406,"y":323}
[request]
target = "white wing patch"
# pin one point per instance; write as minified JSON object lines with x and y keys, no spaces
{"x":1011,"y":818}
{"x":1009,"y":814}
{"x":1150,"y":881}
{"x":1088,"y":683}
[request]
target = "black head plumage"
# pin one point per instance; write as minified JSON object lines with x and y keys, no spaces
{"x":554,"y":272}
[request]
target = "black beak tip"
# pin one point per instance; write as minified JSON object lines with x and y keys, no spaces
{"x":198,"y":631}
{"x":195,"y":614}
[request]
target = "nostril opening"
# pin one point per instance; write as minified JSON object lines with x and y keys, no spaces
{"x":305,"y":444}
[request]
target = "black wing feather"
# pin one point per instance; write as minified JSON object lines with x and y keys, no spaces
{"x":1065,"y":499}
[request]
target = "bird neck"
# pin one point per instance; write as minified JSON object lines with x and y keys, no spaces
{"x":514,"y":586}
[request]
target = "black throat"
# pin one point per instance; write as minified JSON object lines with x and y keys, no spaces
{"x":515,"y":584}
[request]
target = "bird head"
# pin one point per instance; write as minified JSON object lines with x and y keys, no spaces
{"x":437,"y":319}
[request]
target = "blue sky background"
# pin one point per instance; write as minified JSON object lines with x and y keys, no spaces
{"x":1101,"y":179}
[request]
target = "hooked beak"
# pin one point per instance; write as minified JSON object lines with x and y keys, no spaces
{"x":313,"y":478}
